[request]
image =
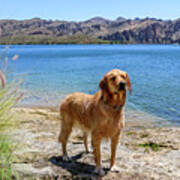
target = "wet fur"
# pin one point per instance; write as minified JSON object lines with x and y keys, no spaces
{"x":101,"y":114}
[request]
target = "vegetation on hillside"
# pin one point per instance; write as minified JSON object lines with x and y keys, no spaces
{"x":41,"y":39}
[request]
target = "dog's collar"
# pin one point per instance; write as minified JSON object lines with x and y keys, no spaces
{"x":117,"y":108}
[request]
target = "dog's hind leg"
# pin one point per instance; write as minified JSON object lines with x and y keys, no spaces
{"x":66,"y":129}
{"x":85,"y":140}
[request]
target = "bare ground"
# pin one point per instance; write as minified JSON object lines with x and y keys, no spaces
{"x":143,"y":153}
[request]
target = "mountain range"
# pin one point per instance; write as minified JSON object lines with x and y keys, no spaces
{"x":95,"y":30}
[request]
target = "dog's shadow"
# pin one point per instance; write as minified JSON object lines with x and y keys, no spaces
{"x":75,"y":167}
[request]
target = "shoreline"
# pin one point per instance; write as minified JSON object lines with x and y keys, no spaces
{"x":133,"y":118}
{"x":109,"y":43}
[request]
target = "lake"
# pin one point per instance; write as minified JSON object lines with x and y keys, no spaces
{"x":50,"y":72}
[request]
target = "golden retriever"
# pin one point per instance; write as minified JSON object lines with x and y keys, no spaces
{"x":101,"y":114}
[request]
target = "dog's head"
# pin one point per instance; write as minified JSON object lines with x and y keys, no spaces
{"x":114,"y":86}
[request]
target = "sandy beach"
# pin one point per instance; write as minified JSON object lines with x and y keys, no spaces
{"x":145,"y":151}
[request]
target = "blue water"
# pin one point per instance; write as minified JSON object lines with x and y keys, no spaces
{"x":52,"y":71}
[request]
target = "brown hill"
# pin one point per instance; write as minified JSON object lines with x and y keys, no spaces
{"x":95,"y":30}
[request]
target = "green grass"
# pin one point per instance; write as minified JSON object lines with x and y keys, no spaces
{"x":6,"y":158}
{"x":7,"y":123}
{"x":153,"y":146}
{"x":9,"y":97}
{"x":130,"y":133}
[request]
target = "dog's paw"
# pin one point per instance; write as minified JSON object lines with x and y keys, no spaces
{"x":65,"y":158}
{"x":99,"y":171}
{"x":114,"y":168}
{"x":87,"y":152}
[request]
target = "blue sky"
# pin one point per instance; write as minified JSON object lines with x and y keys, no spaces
{"x":78,"y":10}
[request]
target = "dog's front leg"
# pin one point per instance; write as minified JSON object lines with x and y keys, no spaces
{"x":96,"y":144}
{"x":114,"y":143}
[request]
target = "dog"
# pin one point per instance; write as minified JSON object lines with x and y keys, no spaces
{"x":101,"y":114}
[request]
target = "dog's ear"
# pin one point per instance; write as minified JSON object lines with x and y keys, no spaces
{"x":128,"y":83}
{"x":103,"y":84}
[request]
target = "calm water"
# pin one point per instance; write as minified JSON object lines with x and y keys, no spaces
{"x":52,"y":71}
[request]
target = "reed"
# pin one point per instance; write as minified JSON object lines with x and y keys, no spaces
{"x":9,"y":97}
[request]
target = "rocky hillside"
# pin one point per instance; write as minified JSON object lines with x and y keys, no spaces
{"x":95,"y":30}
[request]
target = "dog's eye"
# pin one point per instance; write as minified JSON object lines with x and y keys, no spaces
{"x":123,"y":76}
{"x":113,"y":78}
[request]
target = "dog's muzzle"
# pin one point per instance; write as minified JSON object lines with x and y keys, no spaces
{"x":122,"y":86}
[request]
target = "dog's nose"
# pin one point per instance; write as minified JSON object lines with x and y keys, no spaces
{"x":122,"y":85}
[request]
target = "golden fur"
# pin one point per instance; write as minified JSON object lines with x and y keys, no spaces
{"x":101,"y":114}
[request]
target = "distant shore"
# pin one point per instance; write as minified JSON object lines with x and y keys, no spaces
{"x":40,"y":40}
{"x":96,"y":30}
{"x":33,"y":40}
{"x":67,"y":41}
